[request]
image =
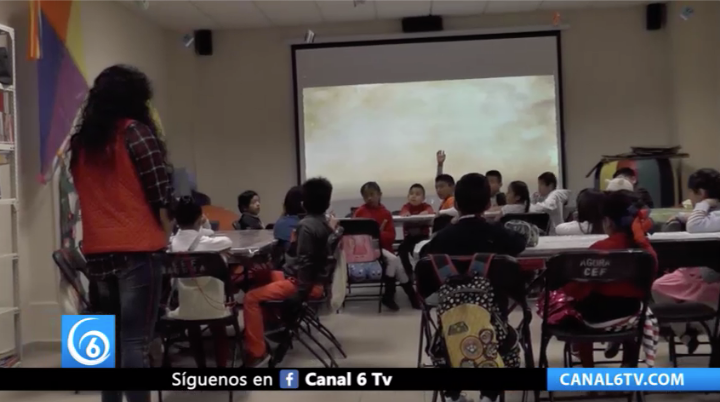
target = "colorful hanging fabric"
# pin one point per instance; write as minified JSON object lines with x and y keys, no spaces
{"x":34,"y":48}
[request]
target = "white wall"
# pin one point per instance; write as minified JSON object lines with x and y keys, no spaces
{"x":233,"y":117}
{"x":111,"y":34}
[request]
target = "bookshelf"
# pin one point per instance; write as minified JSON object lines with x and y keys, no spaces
{"x":10,"y":328}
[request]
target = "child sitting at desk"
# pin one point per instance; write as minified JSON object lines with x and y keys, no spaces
{"x":413,"y":233}
{"x":700,"y":285}
{"x":301,"y":279}
{"x":444,"y":184}
{"x":249,"y":207}
{"x":200,"y":298}
{"x":292,"y":210}
{"x":518,"y":199}
{"x":610,"y":306}
{"x":497,"y":198}
{"x":589,"y":215}
{"x":445,"y":187}
{"x":374,"y":209}
{"x":549,"y":199}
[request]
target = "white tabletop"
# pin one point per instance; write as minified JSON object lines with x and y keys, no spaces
{"x":428,"y":218}
{"x":248,"y":242}
{"x":549,"y":245}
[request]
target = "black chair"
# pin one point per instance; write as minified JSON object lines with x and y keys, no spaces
{"x":597,"y":267}
{"x":236,"y":225}
{"x":355,"y":227}
{"x":215,"y":225}
{"x":689,"y":312}
{"x":441,"y":222}
{"x":395,"y":213}
{"x":293,"y":317}
{"x":541,"y":220}
{"x":101,"y":298}
{"x":270,"y":226}
{"x":195,"y":265}
{"x":508,"y":281}
{"x":71,"y":264}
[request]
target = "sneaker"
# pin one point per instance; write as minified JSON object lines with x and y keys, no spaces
{"x":690,"y":339}
{"x":390,"y":303}
{"x":612,"y":349}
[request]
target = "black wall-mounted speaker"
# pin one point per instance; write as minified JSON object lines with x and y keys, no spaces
{"x":655,"y":16}
{"x":203,"y":42}
{"x":430,"y":23}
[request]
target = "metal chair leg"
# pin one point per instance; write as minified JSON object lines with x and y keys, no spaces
{"x":315,"y":322}
{"x":672,"y":351}
{"x":317,"y":356}
{"x":420,"y":342}
{"x":333,"y":363}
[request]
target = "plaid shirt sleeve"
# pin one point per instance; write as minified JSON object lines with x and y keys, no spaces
{"x":148,"y":155}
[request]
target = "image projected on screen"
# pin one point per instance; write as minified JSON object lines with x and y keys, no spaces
{"x":389,"y":133}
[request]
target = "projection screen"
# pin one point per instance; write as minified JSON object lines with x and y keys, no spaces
{"x":379,"y":111}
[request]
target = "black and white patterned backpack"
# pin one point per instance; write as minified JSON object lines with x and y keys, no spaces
{"x":471,"y":331}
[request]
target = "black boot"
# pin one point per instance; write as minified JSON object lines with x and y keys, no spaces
{"x":412,"y":295}
{"x":388,"y":298}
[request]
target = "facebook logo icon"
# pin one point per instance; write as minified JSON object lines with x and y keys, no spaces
{"x":289,"y":379}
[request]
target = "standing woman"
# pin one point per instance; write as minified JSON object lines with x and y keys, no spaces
{"x":124,"y":186}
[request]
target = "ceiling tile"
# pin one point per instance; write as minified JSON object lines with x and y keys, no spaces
{"x":512,"y":6}
{"x":290,"y":12}
{"x":180,"y":15}
{"x":400,"y":9}
{"x":233,"y":14}
{"x":564,"y":5}
{"x":612,"y":3}
{"x":345,"y":10}
{"x":451,"y":7}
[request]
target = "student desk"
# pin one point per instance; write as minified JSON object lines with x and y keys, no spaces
{"x":248,"y":243}
{"x":674,"y":249}
{"x":250,"y":248}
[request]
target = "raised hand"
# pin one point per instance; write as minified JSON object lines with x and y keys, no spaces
{"x":440,"y":155}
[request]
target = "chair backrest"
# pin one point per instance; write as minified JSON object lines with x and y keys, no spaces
{"x":596,"y":266}
{"x":270,"y":226}
{"x":71,"y":263}
{"x":395,"y":213}
{"x":360,"y":248}
{"x":215,"y":225}
{"x":236,"y":225}
{"x":199,"y":264}
{"x":541,"y":220}
{"x":360,"y":226}
{"x":441,"y":222}
{"x":504,"y":273}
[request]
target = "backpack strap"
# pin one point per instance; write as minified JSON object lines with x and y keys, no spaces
{"x":480,"y":265}
{"x":444,"y":268}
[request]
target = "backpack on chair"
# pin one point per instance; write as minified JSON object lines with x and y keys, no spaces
{"x":472,"y":332}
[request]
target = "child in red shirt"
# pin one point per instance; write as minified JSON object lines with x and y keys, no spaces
{"x":597,"y":304}
{"x":413,"y":233}
{"x":373,"y":209}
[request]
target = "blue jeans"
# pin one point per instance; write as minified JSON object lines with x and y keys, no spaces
{"x":139,"y":286}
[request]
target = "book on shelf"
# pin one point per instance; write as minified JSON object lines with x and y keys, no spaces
{"x":7,"y":129}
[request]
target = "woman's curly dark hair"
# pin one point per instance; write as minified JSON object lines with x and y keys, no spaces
{"x":119,"y":92}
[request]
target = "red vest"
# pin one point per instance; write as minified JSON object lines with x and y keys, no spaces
{"x":116,"y":216}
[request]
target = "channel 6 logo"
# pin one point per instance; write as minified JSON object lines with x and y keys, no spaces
{"x":88,"y":341}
